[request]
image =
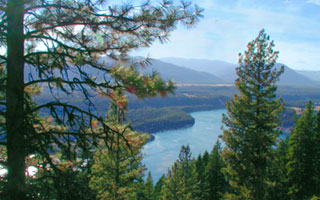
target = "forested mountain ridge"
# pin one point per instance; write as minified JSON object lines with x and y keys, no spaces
{"x":226,"y":71}
{"x":221,"y":69}
{"x":194,"y":71}
{"x":179,"y":74}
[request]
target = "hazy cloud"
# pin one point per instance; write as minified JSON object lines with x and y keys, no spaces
{"x":317,"y":2}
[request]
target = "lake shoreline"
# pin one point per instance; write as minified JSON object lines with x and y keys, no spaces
{"x":187,"y":125}
{"x":161,"y":153}
{"x":285,"y":130}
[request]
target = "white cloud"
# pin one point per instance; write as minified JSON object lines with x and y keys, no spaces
{"x":302,"y":56}
{"x":317,"y":2}
{"x":226,"y":29}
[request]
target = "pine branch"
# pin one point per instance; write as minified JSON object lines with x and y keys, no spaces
{"x":3,"y":163}
{"x":65,"y":106}
{"x":3,"y":58}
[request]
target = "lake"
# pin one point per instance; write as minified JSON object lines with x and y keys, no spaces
{"x":161,"y":153}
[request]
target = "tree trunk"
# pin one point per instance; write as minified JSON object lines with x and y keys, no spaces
{"x":16,"y":187}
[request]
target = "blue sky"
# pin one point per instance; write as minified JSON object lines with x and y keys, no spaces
{"x":228,"y":25}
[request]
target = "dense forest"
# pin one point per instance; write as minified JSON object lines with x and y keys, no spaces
{"x":63,"y":146}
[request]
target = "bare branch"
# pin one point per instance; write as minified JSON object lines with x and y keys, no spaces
{"x":52,"y":104}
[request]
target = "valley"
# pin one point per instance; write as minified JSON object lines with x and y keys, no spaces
{"x":202,"y":85}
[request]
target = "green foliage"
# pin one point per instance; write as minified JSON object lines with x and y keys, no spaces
{"x":201,"y":164}
{"x":158,"y":187}
{"x":216,"y":183}
{"x":65,"y":180}
{"x":181,"y":183}
{"x":116,"y":172}
{"x":149,"y":191}
{"x":205,"y":158}
{"x":317,"y":154}
{"x":278,"y":172}
{"x":252,"y":121}
{"x":302,"y":152}
{"x":59,"y":44}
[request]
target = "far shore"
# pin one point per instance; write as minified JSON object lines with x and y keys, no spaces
{"x":204,"y":85}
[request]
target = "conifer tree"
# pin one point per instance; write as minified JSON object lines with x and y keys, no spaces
{"x":301,"y":169}
{"x":58,"y":44}
{"x":148,"y":188}
{"x":201,"y":164}
{"x":158,"y":187}
{"x":278,"y":171}
{"x":181,"y":183}
{"x":205,"y":158}
{"x":216,"y":183}
{"x":117,"y":172}
{"x":171,"y":188}
{"x":252,"y":121}
{"x":317,"y":154}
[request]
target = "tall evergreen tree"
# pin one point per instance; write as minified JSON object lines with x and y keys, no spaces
{"x":317,"y":154}
{"x":117,"y":172}
{"x":301,"y":169}
{"x":58,"y":44}
{"x":201,"y":164}
{"x":278,"y":171}
{"x":148,"y":188}
{"x":158,"y":187}
{"x":252,"y":121}
{"x":171,"y":188}
{"x":205,"y":158}
{"x":181,"y":183}
{"x":215,"y":179}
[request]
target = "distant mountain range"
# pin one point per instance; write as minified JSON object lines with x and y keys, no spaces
{"x":226,"y":71}
{"x":223,"y":70}
{"x":312,"y":75}
{"x":193,"y":71}
{"x":182,"y":74}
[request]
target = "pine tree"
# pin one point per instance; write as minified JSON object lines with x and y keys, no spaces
{"x":58,"y":44}
{"x":216,"y":183}
{"x":301,"y":156}
{"x":158,"y":187}
{"x":181,"y":183}
{"x":149,"y":189}
{"x":117,"y":172}
{"x":171,"y":188}
{"x":252,"y":121}
{"x":205,"y":158}
{"x":201,"y":164}
{"x":317,"y":155}
{"x":278,"y":171}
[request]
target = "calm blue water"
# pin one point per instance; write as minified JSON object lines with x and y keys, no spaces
{"x":161,"y":153}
